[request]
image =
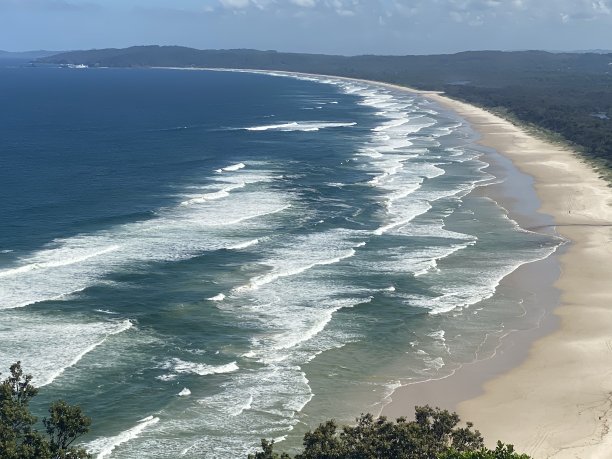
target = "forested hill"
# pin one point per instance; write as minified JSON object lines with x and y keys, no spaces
{"x":568,"y":93}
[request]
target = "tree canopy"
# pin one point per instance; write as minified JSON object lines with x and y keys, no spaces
{"x":433,"y":434}
{"x":19,"y":437}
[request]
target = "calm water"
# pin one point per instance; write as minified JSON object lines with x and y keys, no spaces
{"x":201,"y":259}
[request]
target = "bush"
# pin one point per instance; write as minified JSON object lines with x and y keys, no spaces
{"x":434,"y":434}
{"x":18,"y":437}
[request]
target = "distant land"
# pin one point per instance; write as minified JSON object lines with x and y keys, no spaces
{"x":26,"y":55}
{"x":569,"y":94}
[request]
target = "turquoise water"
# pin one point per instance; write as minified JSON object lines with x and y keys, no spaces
{"x":201,"y":259}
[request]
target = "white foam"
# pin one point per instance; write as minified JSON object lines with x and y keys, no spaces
{"x":239,"y":409}
{"x":406,"y":218}
{"x":391,"y":124}
{"x":123,"y":326}
{"x":253,"y":215}
{"x":26,"y":337}
{"x":260,"y":281}
{"x":481,"y":287}
{"x":438,"y":335}
{"x":183,"y":367}
{"x":232,"y":168}
{"x":70,"y":265}
{"x":214,"y":195}
{"x":304,"y":126}
{"x":184,"y":392}
{"x":244,"y":245}
{"x":434,"y":363}
{"x":219,"y":297}
{"x":70,"y":256}
{"x":103,"y":447}
{"x":370,"y":152}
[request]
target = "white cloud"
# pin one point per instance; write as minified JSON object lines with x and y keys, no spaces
{"x":305,"y":3}
{"x":602,"y":7}
{"x":235,"y":4}
{"x":584,"y":10}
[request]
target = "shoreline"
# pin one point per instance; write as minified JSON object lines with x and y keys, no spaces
{"x":546,"y":389}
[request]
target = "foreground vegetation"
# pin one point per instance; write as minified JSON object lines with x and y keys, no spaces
{"x":566,"y":93}
{"x":19,"y":437}
{"x":434,"y":433}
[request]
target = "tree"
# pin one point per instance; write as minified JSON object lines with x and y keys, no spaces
{"x":434,"y":434}
{"x":268,"y":451}
{"x":500,"y":452}
{"x":19,"y":438}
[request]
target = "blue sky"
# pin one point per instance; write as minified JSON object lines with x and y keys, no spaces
{"x":325,"y":26}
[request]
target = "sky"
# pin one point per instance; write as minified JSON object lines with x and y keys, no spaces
{"x":348,"y":27}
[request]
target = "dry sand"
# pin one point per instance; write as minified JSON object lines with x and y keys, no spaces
{"x":551,"y":398}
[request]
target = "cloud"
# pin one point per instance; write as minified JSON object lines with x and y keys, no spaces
{"x":584,"y":10}
{"x":343,"y":7}
{"x":305,"y":3}
{"x":235,"y":4}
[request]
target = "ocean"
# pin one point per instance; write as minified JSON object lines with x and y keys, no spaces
{"x":201,"y":259}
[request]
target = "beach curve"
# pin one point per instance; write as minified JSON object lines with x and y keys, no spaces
{"x":556,"y":402}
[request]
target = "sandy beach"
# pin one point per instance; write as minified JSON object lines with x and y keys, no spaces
{"x":547,"y":390}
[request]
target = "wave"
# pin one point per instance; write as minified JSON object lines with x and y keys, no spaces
{"x":179,"y":366}
{"x":184,"y":392}
{"x":69,"y":257}
{"x":103,"y":447}
{"x":71,"y":265}
{"x":304,"y":126}
{"x":244,"y":245}
{"x":26,"y":337}
{"x":219,"y":297}
{"x":433,"y":256}
{"x":290,"y":340}
{"x":260,"y":281}
{"x":453,"y":297}
{"x":264,"y":401}
{"x":123,"y":326}
{"x":253,"y":216}
{"x":238,"y":410}
{"x":223,"y":193}
{"x":232,"y":168}
{"x":403,"y":215}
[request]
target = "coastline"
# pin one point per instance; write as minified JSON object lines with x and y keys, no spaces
{"x":546,"y":390}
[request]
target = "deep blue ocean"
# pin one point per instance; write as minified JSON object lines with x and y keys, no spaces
{"x":201,"y":259}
